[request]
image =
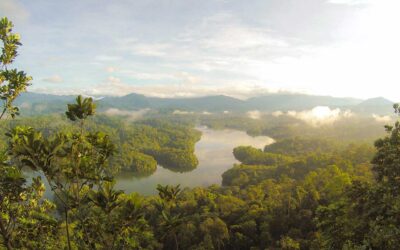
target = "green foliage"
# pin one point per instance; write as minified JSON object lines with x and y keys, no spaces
{"x":168,"y":193}
{"x":139,"y":146}
{"x":357,"y":128}
{"x":75,"y":165}
{"x":24,"y":214}
{"x":301,"y":193}
{"x":12,"y":81}
{"x":175,"y":159}
{"x":82,"y":109}
{"x":300,"y":146}
{"x":142,"y":163}
{"x":366,"y":217}
{"x":252,"y":156}
{"x":271,"y":202}
{"x":116,"y":220}
{"x":288,"y":243}
{"x":257,"y":165}
{"x":387,"y":161}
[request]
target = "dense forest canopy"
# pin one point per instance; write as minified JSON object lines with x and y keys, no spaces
{"x":140,"y":146}
{"x":320,"y":188}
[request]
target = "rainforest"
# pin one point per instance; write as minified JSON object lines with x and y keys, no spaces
{"x":280,"y":171}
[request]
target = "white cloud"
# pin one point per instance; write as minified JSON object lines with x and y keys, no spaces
{"x":54,"y":79}
{"x":146,"y":75}
{"x":254,"y":114}
{"x":277,"y":113}
{"x":155,"y":49}
{"x":26,"y":105}
{"x":152,"y":49}
{"x":107,"y":58}
{"x":131,"y":115}
{"x":14,"y":10}
{"x":115,"y":86}
{"x":320,"y":115}
{"x":182,"y":112}
{"x":349,"y":2}
{"x":187,"y":78}
{"x":383,"y":119}
{"x":111,"y":69}
{"x":236,"y":37}
{"x":365,"y":55}
{"x":313,"y":46}
{"x":179,"y":76}
{"x":224,"y":37}
{"x":347,"y":114}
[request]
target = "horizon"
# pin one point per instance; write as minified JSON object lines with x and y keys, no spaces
{"x":338,"y":48}
{"x":187,"y":124}
{"x":99,"y":97}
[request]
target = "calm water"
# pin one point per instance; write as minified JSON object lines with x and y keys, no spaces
{"x":214,"y":152}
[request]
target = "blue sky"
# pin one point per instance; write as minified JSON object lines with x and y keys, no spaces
{"x":194,"y":48}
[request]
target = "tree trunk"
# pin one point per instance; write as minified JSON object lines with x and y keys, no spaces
{"x":176,"y":242}
{"x":67,"y":227}
{"x":5,"y":235}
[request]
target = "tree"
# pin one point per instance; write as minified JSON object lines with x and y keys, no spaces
{"x":12,"y":81}
{"x":168,"y":193}
{"x":217,"y":230}
{"x":367,"y":216}
{"x":23,"y":212}
{"x":387,"y":161}
{"x":73,"y":164}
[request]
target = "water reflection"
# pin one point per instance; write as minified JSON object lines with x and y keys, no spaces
{"x":214,"y":152}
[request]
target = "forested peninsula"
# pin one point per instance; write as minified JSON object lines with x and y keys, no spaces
{"x":303,"y":192}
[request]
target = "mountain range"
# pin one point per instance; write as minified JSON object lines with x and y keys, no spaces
{"x":36,"y":103}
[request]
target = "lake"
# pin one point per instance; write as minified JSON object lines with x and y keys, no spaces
{"x":214,"y":152}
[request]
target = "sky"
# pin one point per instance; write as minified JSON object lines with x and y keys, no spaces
{"x":184,"y":48}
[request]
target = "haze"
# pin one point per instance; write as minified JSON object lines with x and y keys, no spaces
{"x":197,"y":48}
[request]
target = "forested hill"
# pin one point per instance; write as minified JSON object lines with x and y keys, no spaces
{"x":312,"y":189}
{"x":36,"y":103}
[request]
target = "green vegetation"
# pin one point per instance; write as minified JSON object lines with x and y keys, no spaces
{"x":252,"y":156}
{"x":367,"y":214}
{"x":140,"y":146}
{"x":282,"y":198}
{"x":356,"y":128}
{"x":300,"y":193}
{"x":12,"y":81}
{"x":141,"y":163}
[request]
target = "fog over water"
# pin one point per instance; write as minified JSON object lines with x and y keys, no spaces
{"x":214,"y":152}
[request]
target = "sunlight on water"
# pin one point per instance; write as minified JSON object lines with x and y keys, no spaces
{"x":214,"y":152}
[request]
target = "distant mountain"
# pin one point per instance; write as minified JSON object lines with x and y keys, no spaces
{"x":33,"y":97}
{"x":379,"y":106}
{"x":206,"y":103}
{"x":297,"y":102}
{"x":378,"y":101}
{"x":36,"y":103}
{"x":128,"y":102}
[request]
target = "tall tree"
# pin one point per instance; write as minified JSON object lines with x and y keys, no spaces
{"x":23,"y":212}
{"x":72,"y":163}
{"x":12,"y":81}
